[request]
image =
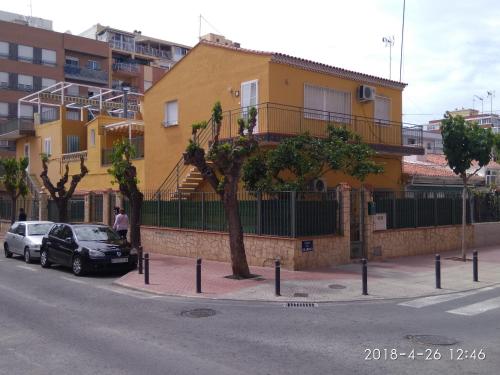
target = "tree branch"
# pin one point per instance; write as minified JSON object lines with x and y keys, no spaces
{"x":76,"y":178}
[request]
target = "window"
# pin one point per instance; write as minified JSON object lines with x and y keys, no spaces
{"x":47,"y":82}
{"x":382,"y":110}
{"x":171,"y":113}
{"x":92,"y":137}
{"x":411,"y":141}
{"x":25,"y":53}
{"x":4,"y":80}
{"x":21,"y":230}
{"x":327,"y":104}
{"x":72,"y":61}
{"x":72,"y":143}
{"x":49,"y":57}
{"x":4,"y":50}
{"x":26,"y":111}
{"x":147,"y":84}
{"x":73,"y":90}
{"x":4,"y":109}
{"x":429,"y":146}
{"x":47,"y":146}
{"x":24,"y":82}
{"x":93,"y":65}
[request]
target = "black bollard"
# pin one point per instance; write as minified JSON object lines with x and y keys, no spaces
{"x":365,"y":277}
{"x":277,"y":281}
{"x":146,"y":269}
{"x":140,"y":251}
{"x":474,"y":266}
{"x":198,"y":275}
{"x":438,"y":271}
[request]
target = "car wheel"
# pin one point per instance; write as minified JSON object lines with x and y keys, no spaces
{"x":44,"y":259}
{"x":27,"y":255}
{"x":7,"y":253}
{"x":77,"y":265}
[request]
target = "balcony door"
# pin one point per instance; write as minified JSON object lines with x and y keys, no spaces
{"x":249,"y":98}
{"x":27,"y":155}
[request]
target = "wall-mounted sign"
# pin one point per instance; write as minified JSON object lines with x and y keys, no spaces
{"x":380,"y":221}
{"x":307,"y":246}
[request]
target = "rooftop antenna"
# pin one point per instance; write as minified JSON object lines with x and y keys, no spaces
{"x":389,"y":42}
{"x":402,"y":35}
{"x":199,"y":29}
{"x":482,"y":102}
{"x":491,"y":95}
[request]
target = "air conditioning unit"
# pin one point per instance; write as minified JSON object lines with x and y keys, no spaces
{"x":319,"y":185}
{"x":366,"y":93}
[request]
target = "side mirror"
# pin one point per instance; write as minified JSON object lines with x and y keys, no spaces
{"x":69,"y":240}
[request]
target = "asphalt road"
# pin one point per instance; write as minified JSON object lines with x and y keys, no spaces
{"x":54,"y":323}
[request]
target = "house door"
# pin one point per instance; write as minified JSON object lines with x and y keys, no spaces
{"x":357,"y":224}
{"x":27,"y":155}
{"x":249,"y":98}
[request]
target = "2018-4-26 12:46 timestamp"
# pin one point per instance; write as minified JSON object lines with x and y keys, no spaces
{"x":428,"y":354}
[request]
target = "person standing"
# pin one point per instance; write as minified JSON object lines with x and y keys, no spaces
{"x":121,"y":224}
{"x":22,"y":215}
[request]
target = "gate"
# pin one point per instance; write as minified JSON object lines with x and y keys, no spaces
{"x":357,"y":223}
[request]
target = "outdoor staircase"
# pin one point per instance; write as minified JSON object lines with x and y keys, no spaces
{"x":192,"y":181}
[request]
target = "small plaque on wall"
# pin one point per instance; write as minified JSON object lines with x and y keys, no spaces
{"x":307,"y":246}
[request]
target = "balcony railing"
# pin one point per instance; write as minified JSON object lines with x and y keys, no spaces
{"x":85,"y":74}
{"x":74,"y":156}
{"x":126,"y":67}
{"x":13,"y":127}
{"x":138,"y":144}
{"x":143,"y":50}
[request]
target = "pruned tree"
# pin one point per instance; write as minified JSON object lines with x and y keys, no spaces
{"x":297,"y":161}
{"x":125,"y":174}
{"x":468,"y":148}
{"x":14,"y":180}
{"x":226,"y":159}
{"x":58,"y":193}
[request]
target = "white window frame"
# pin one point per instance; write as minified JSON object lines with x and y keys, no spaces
{"x":47,"y":146}
{"x":382,"y":121}
{"x":166,"y":122}
{"x":93,"y":65}
{"x":24,"y":57}
{"x":326,"y":113}
{"x":92,"y":137}
{"x":245,"y":107}
{"x":49,"y":57}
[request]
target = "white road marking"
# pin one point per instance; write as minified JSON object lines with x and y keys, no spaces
{"x":73,"y":280}
{"x":477,"y":308}
{"x":28,"y":268}
{"x":433,"y":300}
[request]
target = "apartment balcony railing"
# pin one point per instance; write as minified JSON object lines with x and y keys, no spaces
{"x":138,"y":144}
{"x":73,"y":156}
{"x":126,"y":67}
{"x":119,"y":86}
{"x":12,"y":128}
{"x":143,"y":50}
{"x":85,"y":74}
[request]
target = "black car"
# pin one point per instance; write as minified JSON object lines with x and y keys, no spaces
{"x":86,"y":247}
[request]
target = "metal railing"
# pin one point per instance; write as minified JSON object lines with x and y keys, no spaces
{"x":49,"y":115}
{"x":73,"y":156}
{"x":126,"y":67}
{"x":29,"y":204}
{"x":144,"y":50}
{"x":288,"y":214}
{"x":137,"y":142}
{"x":17,"y":124}
{"x":85,"y":73}
{"x":275,"y":121}
{"x":76,"y":210}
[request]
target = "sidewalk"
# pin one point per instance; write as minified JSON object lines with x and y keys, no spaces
{"x":407,"y":277}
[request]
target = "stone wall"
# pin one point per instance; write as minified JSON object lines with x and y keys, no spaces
{"x":416,"y":241}
{"x":486,"y":234}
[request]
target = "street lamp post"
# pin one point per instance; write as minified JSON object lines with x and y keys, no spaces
{"x":389,"y":42}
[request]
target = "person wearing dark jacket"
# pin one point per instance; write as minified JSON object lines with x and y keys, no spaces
{"x":22,"y":215}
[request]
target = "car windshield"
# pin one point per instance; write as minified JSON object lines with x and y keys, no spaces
{"x":38,"y":229}
{"x":95,"y":233}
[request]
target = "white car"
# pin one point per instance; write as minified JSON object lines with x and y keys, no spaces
{"x":24,"y":238}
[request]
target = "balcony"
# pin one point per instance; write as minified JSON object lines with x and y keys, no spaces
{"x":276,"y":121}
{"x":85,"y":74}
{"x":128,"y":68}
{"x":138,"y":144}
{"x":74,"y":156}
{"x":143,"y":50}
{"x":14,"y":128}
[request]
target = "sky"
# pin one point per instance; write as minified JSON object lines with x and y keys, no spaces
{"x":450,"y":49}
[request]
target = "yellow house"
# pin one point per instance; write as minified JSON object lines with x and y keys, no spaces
{"x":67,"y":128}
{"x":291,"y":95}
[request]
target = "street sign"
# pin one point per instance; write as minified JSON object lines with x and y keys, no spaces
{"x":307,"y":246}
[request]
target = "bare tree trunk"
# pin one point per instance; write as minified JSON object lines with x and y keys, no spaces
{"x":239,"y":262}
{"x":135,"y":219}
{"x":14,"y":209}
{"x":464,"y":198}
{"x":62,"y":208}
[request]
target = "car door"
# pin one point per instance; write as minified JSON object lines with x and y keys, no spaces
{"x":53,"y":243}
{"x":11,"y":237}
{"x":21,"y":235}
{"x":67,"y":245}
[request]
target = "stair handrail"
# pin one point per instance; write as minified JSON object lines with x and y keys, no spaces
{"x":32,"y":186}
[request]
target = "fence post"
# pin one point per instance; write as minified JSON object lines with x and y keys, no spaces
{"x":179,"y":208}
{"x":293,"y":201}
{"x":453,"y":209}
{"x":435,"y":210}
{"x":146,"y":268}
{"x":438,"y":271}
{"x":415,"y":205}
{"x":277,"y":278}
{"x":202,"y":210}
{"x":259,"y":213}
{"x":475,"y":273}
{"x":198,"y":275}
{"x":140,"y":259}
{"x":364,"y":277}
{"x":394,"y":221}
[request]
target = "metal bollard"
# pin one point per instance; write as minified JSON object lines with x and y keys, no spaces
{"x":198,"y":275}
{"x":146,"y":269}
{"x":475,"y":273}
{"x":365,"y":277}
{"x":277,"y":276}
{"x":140,"y":252}
{"x":438,"y":271}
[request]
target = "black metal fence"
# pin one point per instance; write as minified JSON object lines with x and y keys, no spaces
{"x":97,"y":208}
{"x":486,"y":207}
{"x":411,"y":209}
{"x":76,"y":210}
{"x":30,"y":206}
{"x":287,"y":214}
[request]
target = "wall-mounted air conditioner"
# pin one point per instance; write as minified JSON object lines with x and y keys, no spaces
{"x":366,"y":93}
{"x":319,"y":185}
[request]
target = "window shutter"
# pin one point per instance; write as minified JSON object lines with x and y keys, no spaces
{"x":382,"y":110}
